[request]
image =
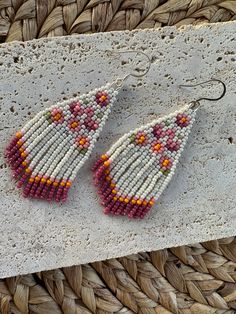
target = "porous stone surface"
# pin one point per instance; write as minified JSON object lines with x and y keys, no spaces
{"x":199,"y":203}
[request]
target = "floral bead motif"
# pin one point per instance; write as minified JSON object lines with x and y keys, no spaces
{"x":158,"y":147}
{"x":158,"y":131}
{"x":74,"y":125}
{"x":76,"y":108}
{"x":173,"y":146}
{"x":164,"y":140}
{"x":57,"y":115}
{"x":102,"y":98}
{"x":89,"y":111}
{"x":141,"y":138}
{"x":170,"y":133}
{"x":90,"y":124}
{"x":82,"y":142}
{"x":166,"y":163}
{"x":182,"y":120}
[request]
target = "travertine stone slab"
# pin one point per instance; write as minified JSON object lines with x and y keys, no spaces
{"x":200,"y":202}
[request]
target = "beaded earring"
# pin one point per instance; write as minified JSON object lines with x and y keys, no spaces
{"x":46,"y":154}
{"x":132,"y":175}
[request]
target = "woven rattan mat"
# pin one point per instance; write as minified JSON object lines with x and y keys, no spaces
{"x":196,"y":278}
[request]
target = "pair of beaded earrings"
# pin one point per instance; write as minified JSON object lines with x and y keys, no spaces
{"x":47,"y":153}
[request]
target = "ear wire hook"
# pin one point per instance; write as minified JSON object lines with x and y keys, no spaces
{"x":120,"y":81}
{"x":196,"y":102}
{"x":136,"y":74}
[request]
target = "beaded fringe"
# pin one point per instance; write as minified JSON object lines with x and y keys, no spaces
{"x":47,"y":153}
{"x":132,"y":175}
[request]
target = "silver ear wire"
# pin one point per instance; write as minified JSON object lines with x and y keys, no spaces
{"x":197,"y":102}
{"x":136,"y":74}
{"x":119,"y":82}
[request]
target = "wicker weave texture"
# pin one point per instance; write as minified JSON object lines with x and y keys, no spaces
{"x":194,"y":279}
{"x":28,"y":19}
{"x":189,"y":279}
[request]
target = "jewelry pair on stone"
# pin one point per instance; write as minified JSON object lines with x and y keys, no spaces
{"x":47,"y":153}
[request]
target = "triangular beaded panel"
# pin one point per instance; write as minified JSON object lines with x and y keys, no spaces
{"x":135,"y":171}
{"x":46,"y":154}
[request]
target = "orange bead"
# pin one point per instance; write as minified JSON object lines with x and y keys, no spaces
{"x":19,"y":143}
{"x":126,"y":200}
{"x":104,"y":157}
{"x":107,"y":171}
{"x":55,"y":183}
{"x":151,"y":203}
{"x":157,"y":146}
{"x":103,"y":98}
{"x":24,"y":163}
{"x":74,"y":124}
{"x":62,"y":183}
{"x":37,"y":179}
{"x":49,"y":182}
{"x":113,"y":191}
{"x":165,"y":162}
{"x":68,"y":184}
{"x":27,"y":170}
{"x":113,"y":185}
{"x":121,"y":199}
{"x":43,"y":180}
{"x":139,"y":202}
{"x":144,"y":203}
{"x":107,"y":163}
{"x":23,"y":155}
{"x":57,"y":117}
{"x":183,"y":120}
{"x":18,"y":134}
{"x":141,"y":139}
{"x":133,"y":201}
{"x":82,"y":141}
